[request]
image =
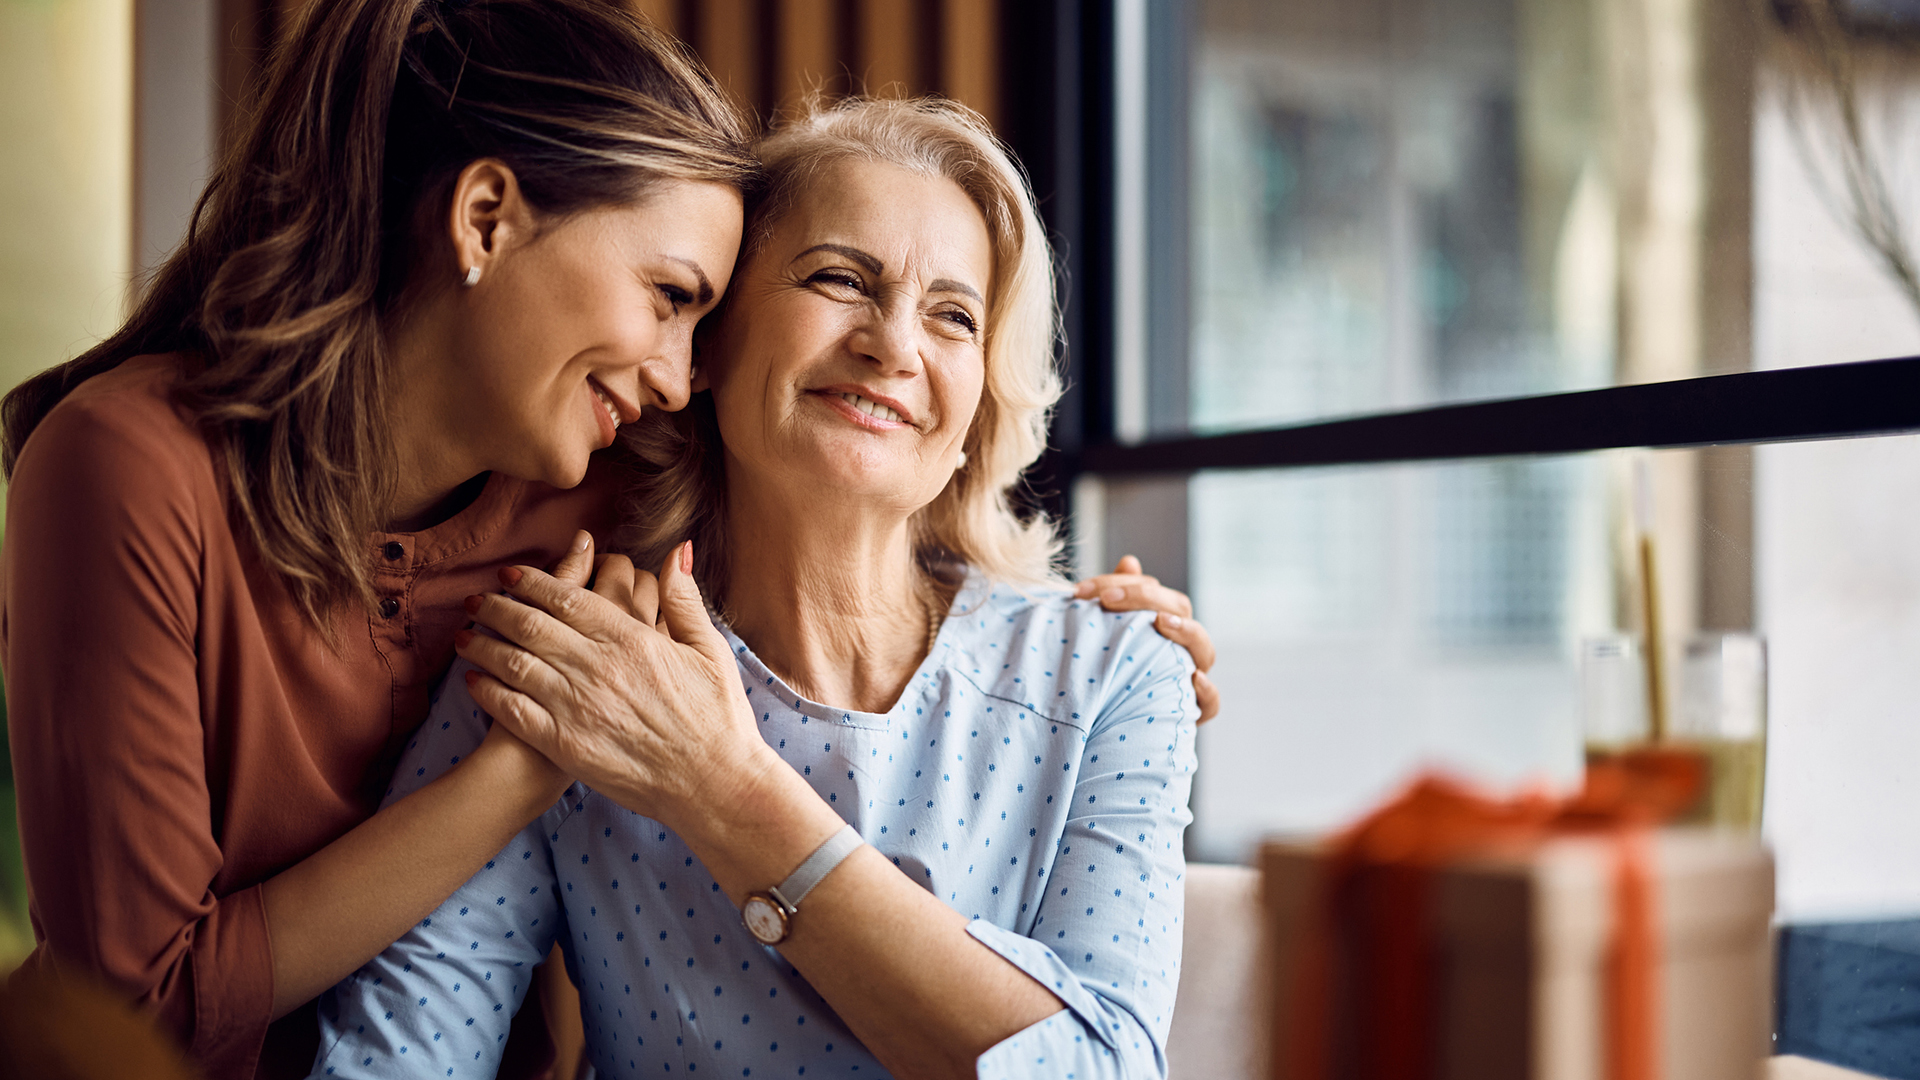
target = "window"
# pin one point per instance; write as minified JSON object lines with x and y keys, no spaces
{"x":1377,"y":308}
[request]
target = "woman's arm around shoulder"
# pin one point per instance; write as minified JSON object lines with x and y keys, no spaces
{"x":439,"y":1001}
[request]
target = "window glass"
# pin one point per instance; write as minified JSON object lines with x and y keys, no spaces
{"x":1399,"y":203}
{"x":1837,"y":590}
{"x":66,"y":198}
{"x":1375,"y":620}
{"x":1372,"y":620}
{"x":1377,"y":222}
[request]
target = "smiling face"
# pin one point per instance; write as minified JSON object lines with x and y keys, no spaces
{"x":574,"y":328}
{"x":849,"y":363}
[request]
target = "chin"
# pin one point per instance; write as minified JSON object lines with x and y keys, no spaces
{"x":864,"y":476}
{"x":564,"y":470}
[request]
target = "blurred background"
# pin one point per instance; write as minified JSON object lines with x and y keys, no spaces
{"x":1278,"y":212}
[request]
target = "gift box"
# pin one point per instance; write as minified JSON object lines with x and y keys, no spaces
{"x":1555,"y":947}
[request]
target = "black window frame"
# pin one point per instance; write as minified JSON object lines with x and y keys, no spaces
{"x":1059,"y":119}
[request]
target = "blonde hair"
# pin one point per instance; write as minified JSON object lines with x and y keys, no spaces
{"x":680,"y":486}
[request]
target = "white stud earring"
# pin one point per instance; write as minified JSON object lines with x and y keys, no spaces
{"x":961,"y":461}
{"x":472,"y":278}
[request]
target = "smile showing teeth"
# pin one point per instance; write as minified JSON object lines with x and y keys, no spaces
{"x":871,"y":408}
{"x":606,"y":403}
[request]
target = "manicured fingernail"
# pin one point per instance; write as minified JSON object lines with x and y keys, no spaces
{"x":686,"y":557}
{"x":460,"y":639}
{"x":1170,"y":620}
{"x":472,"y":678}
{"x":473,"y":604}
{"x":1082,"y":590}
{"x":1113,"y":596}
{"x":582,"y":540}
{"x":510,"y":576}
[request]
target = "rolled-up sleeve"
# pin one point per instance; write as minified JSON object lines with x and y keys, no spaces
{"x":102,"y":580}
{"x":439,"y":1002}
{"x":1106,"y":939}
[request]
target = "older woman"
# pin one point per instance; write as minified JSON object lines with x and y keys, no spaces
{"x":938,"y":830}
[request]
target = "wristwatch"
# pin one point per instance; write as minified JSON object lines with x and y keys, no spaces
{"x":768,"y":914}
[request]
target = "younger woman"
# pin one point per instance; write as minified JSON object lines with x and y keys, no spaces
{"x":457,"y":245}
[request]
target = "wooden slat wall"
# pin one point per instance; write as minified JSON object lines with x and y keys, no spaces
{"x":731,"y":36}
{"x":890,"y":37}
{"x":769,"y":54}
{"x":970,"y":54}
{"x":807,"y":47}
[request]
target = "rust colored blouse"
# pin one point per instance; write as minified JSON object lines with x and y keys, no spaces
{"x":180,"y":733}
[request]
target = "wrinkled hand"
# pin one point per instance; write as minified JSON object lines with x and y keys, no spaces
{"x":576,"y":568}
{"x":1129,"y":588}
{"x":628,"y":688}
{"x":614,"y":577}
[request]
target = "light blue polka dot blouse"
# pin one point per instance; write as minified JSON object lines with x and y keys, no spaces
{"x":1034,"y":776}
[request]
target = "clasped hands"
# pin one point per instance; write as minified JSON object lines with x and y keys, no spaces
{"x":629,"y":688}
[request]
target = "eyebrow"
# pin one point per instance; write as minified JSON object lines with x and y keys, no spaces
{"x":867,"y":262}
{"x":961,"y":287}
{"x":706,"y":286}
{"x":875,"y":266}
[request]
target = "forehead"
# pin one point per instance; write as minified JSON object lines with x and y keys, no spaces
{"x":683,"y":213}
{"x":906,"y":218}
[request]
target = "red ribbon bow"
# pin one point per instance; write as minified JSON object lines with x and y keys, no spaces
{"x":1372,"y":915}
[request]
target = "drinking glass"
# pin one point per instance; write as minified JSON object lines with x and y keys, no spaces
{"x":1723,"y":711}
{"x":1613,"y":693}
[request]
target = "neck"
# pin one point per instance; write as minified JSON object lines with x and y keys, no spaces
{"x":434,"y":479}
{"x":828,"y":596}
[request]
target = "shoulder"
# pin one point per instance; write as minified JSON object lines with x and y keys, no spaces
{"x":1067,"y":660}
{"x":110,"y":507}
{"x":120,"y":431}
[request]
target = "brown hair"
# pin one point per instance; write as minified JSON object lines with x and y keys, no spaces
{"x":679,"y":490}
{"x":316,"y":227}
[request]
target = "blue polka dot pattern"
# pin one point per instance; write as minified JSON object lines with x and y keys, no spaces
{"x":1034,"y":776}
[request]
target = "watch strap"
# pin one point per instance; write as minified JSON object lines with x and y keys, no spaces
{"x":818,"y":865}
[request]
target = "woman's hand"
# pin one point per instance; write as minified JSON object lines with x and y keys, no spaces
{"x":1129,"y":588}
{"x":577,"y":567}
{"x":628,"y":688}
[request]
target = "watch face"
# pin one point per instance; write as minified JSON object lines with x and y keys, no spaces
{"x":764,"y":919}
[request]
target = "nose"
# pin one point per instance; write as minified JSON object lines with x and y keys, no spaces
{"x":891,"y":338}
{"x":666,"y":373}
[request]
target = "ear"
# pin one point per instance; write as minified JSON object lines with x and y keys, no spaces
{"x":488,"y":214}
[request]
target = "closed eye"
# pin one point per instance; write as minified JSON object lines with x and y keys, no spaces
{"x":676,"y":296}
{"x":961,"y":319}
{"x":845,"y":279}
